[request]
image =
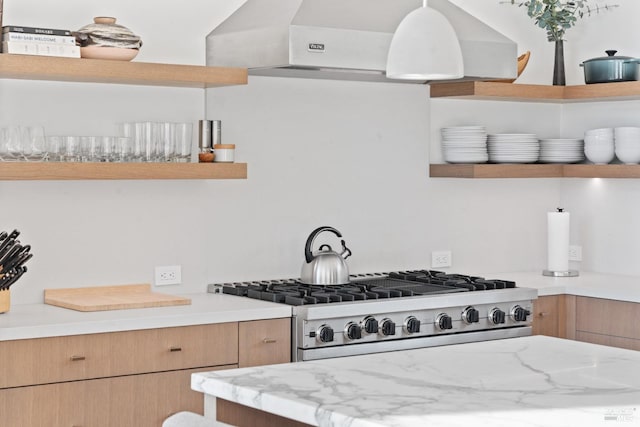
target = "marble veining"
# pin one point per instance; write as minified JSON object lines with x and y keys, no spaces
{"x":530,"y":381}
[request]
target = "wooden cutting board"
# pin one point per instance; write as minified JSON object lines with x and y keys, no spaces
{"x":100,"y":298}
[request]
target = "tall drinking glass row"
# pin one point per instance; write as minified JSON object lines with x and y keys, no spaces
{"x":137,"y":142}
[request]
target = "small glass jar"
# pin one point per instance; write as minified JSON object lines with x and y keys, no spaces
{"x":225,"y":153}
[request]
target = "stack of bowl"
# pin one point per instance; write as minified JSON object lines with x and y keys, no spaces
{"x":627,"y":144}
{"x":599,"y":145}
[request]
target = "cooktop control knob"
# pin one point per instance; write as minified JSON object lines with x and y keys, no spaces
{"x":353,"y":331}
{"x":370,"y":325}
{"x":519,"y":314}
{"x":470,"y":315}
{"x":325,"y":333}
{"x":387,"y":327}
{"x":497,"y":316}
{"x":411,"y":325}
{"x":444,"y":321}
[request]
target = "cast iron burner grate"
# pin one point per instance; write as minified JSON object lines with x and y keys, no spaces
{"x":394,"y":285}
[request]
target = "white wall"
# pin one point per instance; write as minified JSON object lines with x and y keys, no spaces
{"x":351,"y":155}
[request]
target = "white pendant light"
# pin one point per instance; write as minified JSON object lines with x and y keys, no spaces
{"x":425,"y":47}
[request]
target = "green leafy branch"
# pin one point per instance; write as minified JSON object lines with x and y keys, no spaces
{"x":557,"y":16}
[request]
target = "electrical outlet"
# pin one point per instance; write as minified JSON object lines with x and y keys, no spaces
{"x":168,"y":275}
{"x":575,"y":253}
{"x":440,"y":259}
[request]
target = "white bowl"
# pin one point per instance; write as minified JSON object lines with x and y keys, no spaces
{"x":628,"y":156}
{"x":601,"y":131}
{"x":599,"y":156}
{"x":598,"y":139}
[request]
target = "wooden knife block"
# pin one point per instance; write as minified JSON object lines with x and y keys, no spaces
{"x":5,"y":301}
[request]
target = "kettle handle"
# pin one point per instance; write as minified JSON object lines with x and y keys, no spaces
{"x":308,"y":255}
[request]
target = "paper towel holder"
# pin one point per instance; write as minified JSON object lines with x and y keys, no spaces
{"x":568,"y":273}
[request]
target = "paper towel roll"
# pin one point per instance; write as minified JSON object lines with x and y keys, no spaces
{"x":558,"y":241}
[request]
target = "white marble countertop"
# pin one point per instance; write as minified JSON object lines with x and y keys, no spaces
{"x":596,"y":285}
{"x":43,"y":320}
{"x":524,"y":382}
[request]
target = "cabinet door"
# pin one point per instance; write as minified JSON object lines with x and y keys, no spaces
{"x":264,"y":342}
{"x":554,"y":316}
{"x":608,"y":322}
{"x":546,"y":316}
{"x":135,"y":400}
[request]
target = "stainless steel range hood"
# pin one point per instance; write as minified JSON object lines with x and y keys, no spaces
{"x":344,"y":39}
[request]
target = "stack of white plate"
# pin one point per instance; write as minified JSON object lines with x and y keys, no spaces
{"x":513,"y":148}
{"x":563,"y":150}
{"x":464,"y":144}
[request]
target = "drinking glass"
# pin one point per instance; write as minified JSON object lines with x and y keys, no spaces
{"x":34,"y":147}
{"x":55,"y":148}
{"x":13,"y":137}
{"x":148,"y":134}
{"x":167,"y":141}
{"x":70,"y":150}
{"x":106,"y":147}
{"x":122,"y":148}
{"x":4,"y":150}
{"x":90,"y":149}
{"x":184,"y":144}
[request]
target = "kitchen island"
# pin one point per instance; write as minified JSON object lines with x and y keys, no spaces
{"x":529,"y":381}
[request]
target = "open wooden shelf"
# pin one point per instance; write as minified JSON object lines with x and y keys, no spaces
{"x":43,"y":171}
{"x":537,"y":93}
{"x":533,"y":171}
{"x":120,"y":72}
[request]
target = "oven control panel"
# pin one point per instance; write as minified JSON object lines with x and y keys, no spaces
{"x":338,"y":331}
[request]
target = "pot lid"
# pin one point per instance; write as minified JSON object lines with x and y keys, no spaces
{"x":610,"y":56}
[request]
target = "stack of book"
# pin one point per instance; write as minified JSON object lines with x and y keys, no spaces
{"x":39,"y":41}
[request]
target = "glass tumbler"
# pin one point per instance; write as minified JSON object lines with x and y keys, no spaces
{"x":184,"y":143}
{"x":34,"y":144}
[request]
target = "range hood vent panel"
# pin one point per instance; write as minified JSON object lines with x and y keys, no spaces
{"x":343,"y":39}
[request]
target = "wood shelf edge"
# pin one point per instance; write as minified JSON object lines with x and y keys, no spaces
{"x":446,"y":170}
{"x":54,"y":171}
{"x":487,"y":90}
{"x":602,"y":171}
{"x":120,"y":72}
{"x":497,"y":90}
{"x":495,"y":170}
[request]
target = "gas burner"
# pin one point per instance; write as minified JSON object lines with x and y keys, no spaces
{"x":363,"y":287}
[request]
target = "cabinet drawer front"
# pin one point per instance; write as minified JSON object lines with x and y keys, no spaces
{"x":137,"y":400}
{"x":50,"y":360}
{"x":264,"y":342}
{"x":167,"y":349}
{"x":608,"y":317}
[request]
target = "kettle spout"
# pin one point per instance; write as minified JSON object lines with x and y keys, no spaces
{"x":346,"y":252}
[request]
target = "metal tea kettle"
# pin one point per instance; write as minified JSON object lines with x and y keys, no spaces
{"x":325,"y":267}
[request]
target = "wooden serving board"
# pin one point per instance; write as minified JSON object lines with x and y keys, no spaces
{"x":100,"y":298}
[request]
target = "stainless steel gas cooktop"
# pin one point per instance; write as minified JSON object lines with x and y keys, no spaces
{"x":393,"y":311}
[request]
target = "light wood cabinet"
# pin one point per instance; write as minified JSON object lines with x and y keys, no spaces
{"x":264,"y":342}
{"x":131,"y":378}
{"x":608,"y":322}
{"x":554,"y":316}
{"x":594,"y":320}
{"x":138,"y":400}
{"x":50,"y":360}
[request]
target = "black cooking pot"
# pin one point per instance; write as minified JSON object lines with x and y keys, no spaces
{"x":610,"y":68}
